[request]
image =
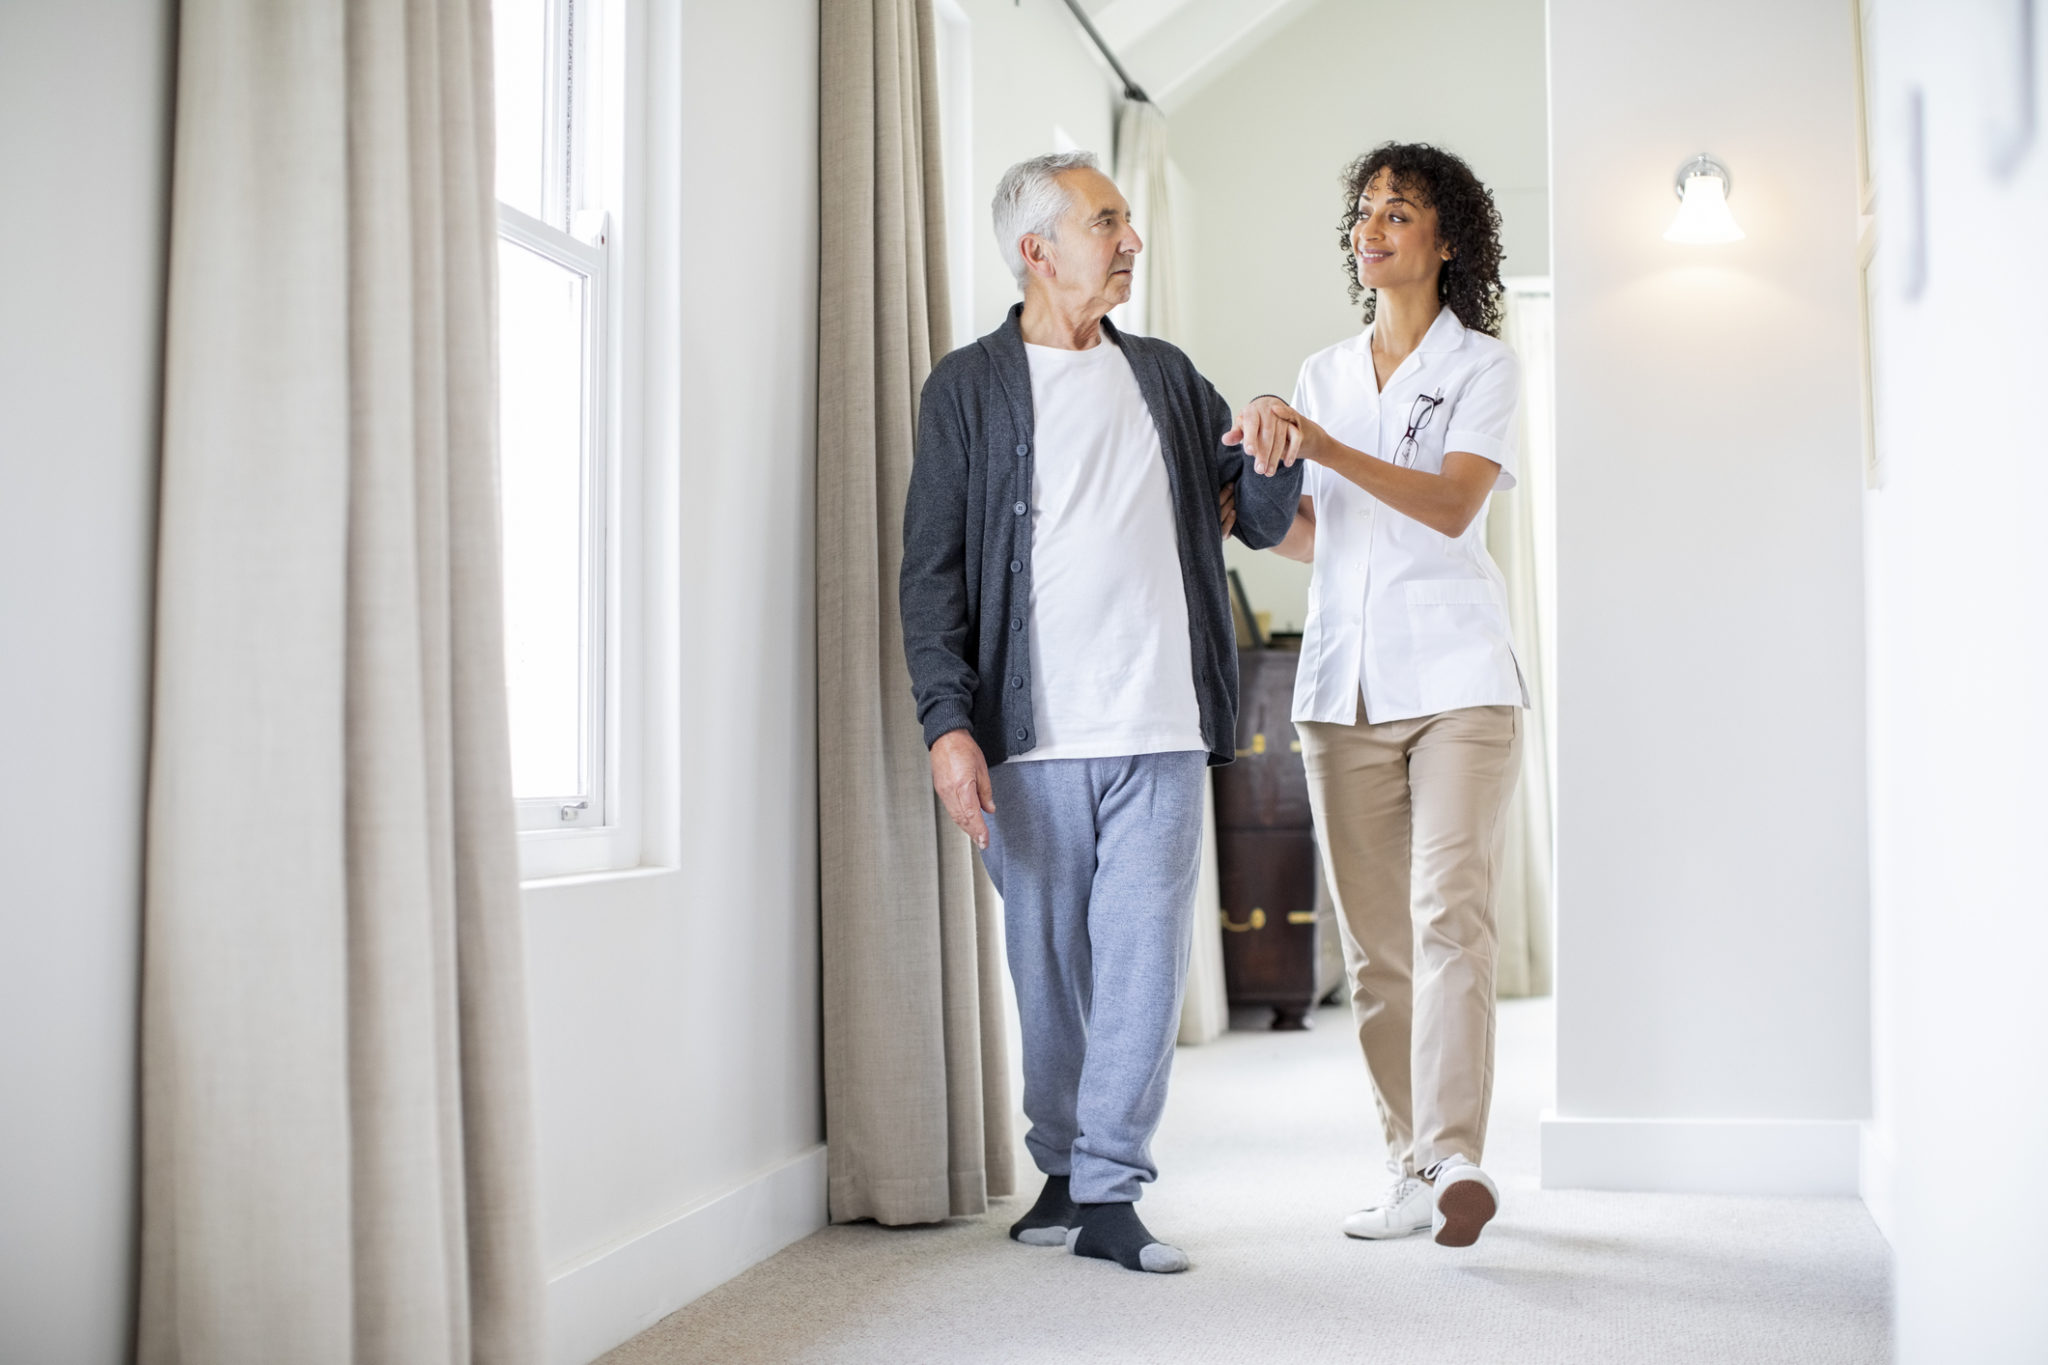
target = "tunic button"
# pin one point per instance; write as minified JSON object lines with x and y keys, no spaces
{"x":1023,"y":449}
{"x":1019,"y":509}
{"x":1016,"y":682}
{"x":1016,"y":566}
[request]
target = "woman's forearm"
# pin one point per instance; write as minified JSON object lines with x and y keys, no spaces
{"x":1445,"y":502}
{"x":1299,"y":544}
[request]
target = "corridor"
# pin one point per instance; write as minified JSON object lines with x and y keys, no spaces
{"x":1264,"y":1148}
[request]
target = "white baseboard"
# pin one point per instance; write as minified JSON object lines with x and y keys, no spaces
{"x":620,"y":1292}
{"x":1703,"y":1156}
{"x":1878,"y":1178}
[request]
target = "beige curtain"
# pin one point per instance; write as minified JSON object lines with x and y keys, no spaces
{"x":1513,"y":538}
{"x":916,"y":1085}
{"x":337,"y":1154}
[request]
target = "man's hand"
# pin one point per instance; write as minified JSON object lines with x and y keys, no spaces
{"x":1271,"y":433}
{"x":1226,"y":504}
{"x":960,"y":777}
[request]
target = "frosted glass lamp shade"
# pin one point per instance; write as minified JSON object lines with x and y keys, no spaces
{"x":1703,"y":218}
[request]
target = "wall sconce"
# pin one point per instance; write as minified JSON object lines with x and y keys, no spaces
{"x":1703,"y":218}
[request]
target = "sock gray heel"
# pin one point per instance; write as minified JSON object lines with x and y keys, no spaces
{"x":1114,"y":1232}
{"x":1048,"y":1222}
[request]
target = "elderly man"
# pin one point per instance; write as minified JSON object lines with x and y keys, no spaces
{"x":1070,"y":644}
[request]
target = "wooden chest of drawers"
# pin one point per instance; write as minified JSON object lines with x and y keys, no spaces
{"x":1275,"y":943}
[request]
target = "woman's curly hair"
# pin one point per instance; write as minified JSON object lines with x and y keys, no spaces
{"x":1466,"y":221}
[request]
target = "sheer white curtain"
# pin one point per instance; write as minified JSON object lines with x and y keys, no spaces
{"x":1155,"y":308}
{"x":1517,"y":535}
{"x":337,"y":1140}
{"x":1142,"y":173}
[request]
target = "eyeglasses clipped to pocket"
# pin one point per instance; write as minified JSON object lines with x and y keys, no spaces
{"x":1420,"y":412}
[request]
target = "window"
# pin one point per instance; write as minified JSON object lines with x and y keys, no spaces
{"x":956,"y":150}
{"x":559,"y":455}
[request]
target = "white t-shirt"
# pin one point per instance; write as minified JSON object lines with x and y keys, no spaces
{"x":1112,"y":672}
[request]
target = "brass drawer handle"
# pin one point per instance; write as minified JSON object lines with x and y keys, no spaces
{"x":1257,"y":920}
{"x":1301,"y":917}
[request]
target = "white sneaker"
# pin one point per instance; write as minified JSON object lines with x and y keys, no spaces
{"x":1406,"y":1207}
{"x":1466,"y":1201}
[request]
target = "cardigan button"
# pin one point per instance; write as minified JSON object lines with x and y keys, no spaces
{"x":1020,"y":509}
{"x":1016,"y":623}
{"x":1023,"y":449}
{"x":1016,"y":682}
{"x":1016,"y":566}
{"x":1023,"y":734}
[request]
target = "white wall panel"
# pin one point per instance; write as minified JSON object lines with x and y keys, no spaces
{"x":1712,"y":894}
{"x":1958,"y":651}
{"x":85,"y":97}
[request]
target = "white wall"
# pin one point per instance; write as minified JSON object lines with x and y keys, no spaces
{"x":1958,"y":735}
{"x":1263,"y":146}
{"x":1033,"y":70}
{"x":675,"y":1010}
{"x":81,"y":85}
{"x":1713,"y":920}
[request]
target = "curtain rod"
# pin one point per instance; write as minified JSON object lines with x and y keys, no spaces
{"x":1132,"y":90}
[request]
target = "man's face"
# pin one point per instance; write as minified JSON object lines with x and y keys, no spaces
{"x":1091,"y":258}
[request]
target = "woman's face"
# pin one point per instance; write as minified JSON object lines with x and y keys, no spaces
{"x":1395,"y":238}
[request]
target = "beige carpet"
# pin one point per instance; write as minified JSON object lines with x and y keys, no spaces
{"x":1267,"y":1143}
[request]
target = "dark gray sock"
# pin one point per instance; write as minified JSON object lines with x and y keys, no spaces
{"x":1047,"y":1223}
{"x":1113,"y":1232}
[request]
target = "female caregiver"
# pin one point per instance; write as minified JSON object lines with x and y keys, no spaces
{"x":1408,"y":695}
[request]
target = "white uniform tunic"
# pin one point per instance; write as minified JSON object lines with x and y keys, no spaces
{"x":1415,"y":619}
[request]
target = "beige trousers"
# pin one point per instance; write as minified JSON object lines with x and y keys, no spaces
{"x":1411,"y":816}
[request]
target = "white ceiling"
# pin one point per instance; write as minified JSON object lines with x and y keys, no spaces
{"x":1174,"y":47}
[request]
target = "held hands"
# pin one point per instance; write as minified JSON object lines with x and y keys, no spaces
{"x":960,"y":777}
{"x":1274,"y":435}
{"x":1226,"y":505}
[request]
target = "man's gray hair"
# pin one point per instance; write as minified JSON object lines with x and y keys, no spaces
{"x":1030,"y":199}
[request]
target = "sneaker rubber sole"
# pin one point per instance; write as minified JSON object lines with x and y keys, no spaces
{"x":1466,"y":1206}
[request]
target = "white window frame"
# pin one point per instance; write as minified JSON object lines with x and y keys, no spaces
{"x":588,"y":806}
{"x":598,"y":829}
{"x":956,"y":150}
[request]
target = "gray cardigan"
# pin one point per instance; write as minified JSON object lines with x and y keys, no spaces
{"x":966,"y":583}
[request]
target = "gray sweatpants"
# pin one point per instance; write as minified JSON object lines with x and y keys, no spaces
{"x":1096,"y":860}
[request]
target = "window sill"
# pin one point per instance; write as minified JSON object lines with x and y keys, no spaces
{"x":547,"y":855}
{"x":564,"y":881}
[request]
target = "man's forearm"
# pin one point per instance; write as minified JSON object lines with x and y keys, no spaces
{"x":934,"y":640}
{"x":1266,"y":504}
{"x":944,"y":712}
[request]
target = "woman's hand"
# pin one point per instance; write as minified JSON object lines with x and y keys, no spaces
{"x":1273,"y":434}
{"x":1226,"y":504}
